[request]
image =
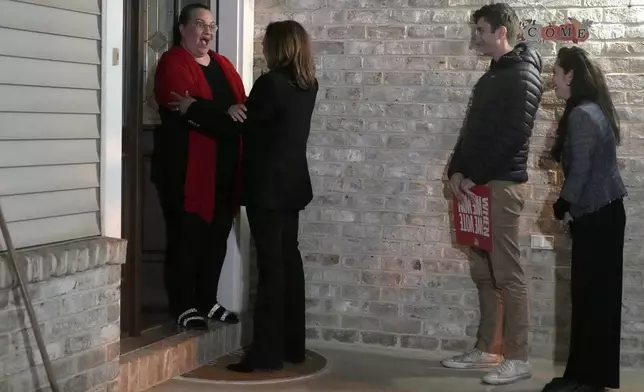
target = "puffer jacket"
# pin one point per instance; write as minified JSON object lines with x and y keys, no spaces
{"x":495,"y":138}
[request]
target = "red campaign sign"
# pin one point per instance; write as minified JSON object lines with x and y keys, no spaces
{"x":472,"y":219}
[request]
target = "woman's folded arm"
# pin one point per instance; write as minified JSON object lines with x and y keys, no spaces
{"x":260,"y":104}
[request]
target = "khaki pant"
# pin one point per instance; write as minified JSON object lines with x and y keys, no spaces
{"x":499,"y":277}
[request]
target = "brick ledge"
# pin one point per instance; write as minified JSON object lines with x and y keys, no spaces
{"x":152,"y":365}
{"x":46,"y":262}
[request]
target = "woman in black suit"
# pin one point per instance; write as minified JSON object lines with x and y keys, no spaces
{"x":275,"y":125}
{"x":276,"y":187}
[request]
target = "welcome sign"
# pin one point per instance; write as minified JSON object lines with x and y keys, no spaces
{"x":472,"y":219}
{"x":572,"y":31}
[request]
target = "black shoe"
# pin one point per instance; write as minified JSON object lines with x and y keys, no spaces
{"x":560,"y":384}
{"x":589,"y":388}
{"x":295,"y":359}
{"x":247,"y":367}
{"x":192,"y":320}
{"x":219,"y":313}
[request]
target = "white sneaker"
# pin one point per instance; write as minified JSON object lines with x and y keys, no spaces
{"x":473,"y":359}
{"x":509,"y":371}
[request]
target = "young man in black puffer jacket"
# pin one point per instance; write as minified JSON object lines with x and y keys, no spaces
{"x":493,"y":150}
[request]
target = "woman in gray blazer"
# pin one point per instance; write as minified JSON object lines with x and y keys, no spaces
{"x":591,"y":205}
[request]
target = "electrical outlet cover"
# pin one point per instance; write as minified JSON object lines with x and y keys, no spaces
{"x":542,"y":242}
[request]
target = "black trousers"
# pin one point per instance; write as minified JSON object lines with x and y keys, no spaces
{"x":195,"y":254}
{"x":596,"y":283}
{"x":279,"y":321}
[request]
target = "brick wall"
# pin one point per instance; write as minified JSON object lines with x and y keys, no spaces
{"x":396,"y":76}
{"x":75,"y":289}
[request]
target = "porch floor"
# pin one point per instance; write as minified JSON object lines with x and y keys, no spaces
{"x":376,"y":370}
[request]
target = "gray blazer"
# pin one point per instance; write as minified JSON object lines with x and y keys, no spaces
{"x":589,"y":160}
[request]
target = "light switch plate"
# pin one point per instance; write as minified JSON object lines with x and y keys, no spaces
{"x":546,"y":242}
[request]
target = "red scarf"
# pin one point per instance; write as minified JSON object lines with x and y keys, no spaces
{"x":177,"y":71}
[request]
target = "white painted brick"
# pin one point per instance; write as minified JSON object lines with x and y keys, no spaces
{"x":608,"y":31}
{"x":451,"y":16}
{"x":404,"y":47}
{"x":322,"y":17}
{"x":342,"y":62}
{"x":461,"y":32}
{"x":386,"y":156}
{"x":365,"y":47}
{"x":403,"y":78}
{"x":426,"y":31}
{"x":426,"y":3}
{"x":624,"y":15}
{"x":479,"y":3}
{"x":364,"y":170}
{"x":426,"y":63}
{"x":365,"y":140}
{"x":329,"y":47}
{"x":388,"y":125}
{"x":408,"y":172}
{"x":347,"y":32}
{"x":368,"y":17}
{"x":364,"y":78}
{"x":386,"y":32}
{"x":611,"y":3}
{"x":387,"y":94}
{"x":304,"y":4}
{"x":343,"y":93}
{"x":384,"y":62}
{"x":360,"y":231}
{"x":411,"y":16}
{"x":345,"y":124}
{"x":452,"y":48}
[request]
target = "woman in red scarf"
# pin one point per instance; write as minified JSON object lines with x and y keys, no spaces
{"x":197,"y":175}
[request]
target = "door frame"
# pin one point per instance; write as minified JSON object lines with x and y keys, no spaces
{"x":132,"y":166}
{"x":236,"y":23}
{"x":236,"y":20}
{"x":111,"y":118}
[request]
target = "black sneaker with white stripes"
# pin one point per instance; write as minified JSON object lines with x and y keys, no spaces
{"x":192,"y":320}
{"x":219,"y":313}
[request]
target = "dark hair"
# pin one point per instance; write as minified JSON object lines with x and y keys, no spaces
{"x":497,"y":15}
{"x":186,"y":16}
{"x":587,"y":84}
{"x":287,"y":45}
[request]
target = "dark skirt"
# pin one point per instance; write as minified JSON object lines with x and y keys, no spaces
{"x":596,"y":284}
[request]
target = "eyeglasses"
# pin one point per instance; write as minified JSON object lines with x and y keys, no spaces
{"x":204,"y":26}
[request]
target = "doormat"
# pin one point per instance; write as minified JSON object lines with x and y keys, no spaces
{"x":216,"y":372}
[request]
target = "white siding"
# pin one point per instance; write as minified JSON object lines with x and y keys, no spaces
{"x":49,"y":119}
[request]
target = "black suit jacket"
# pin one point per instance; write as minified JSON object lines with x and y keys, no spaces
{"x":275,"y":172}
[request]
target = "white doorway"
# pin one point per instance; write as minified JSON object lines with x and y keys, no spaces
{"x":236,"y":23}
{"x":148,"y":34}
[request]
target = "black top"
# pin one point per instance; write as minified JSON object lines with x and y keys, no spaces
{"x":494,"y":141}
{"x":227,"y":145}
{"x":275,"y":169}
{"x":170,"y":157}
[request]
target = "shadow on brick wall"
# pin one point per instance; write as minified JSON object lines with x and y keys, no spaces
{"x":560,"y":256}
{"x":32,"y":356}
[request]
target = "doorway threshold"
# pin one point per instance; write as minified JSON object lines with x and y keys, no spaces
{"x":148,"y":337}
{"x":161,"y":354}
